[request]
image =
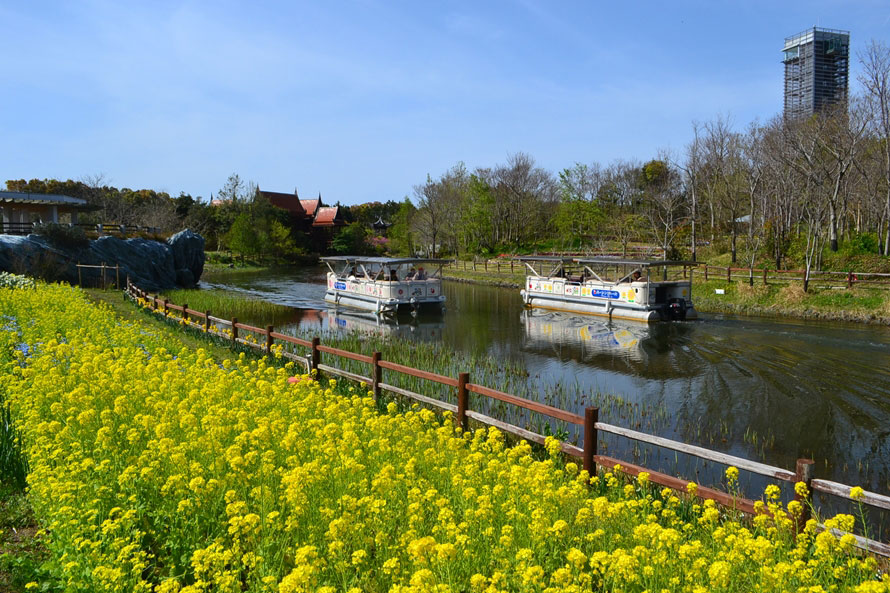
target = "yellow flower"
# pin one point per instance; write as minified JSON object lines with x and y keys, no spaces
{"x":692,"y":488}
{"x":732,"y":474}
{"x":801,"y":489}
{"x":857,"y":493}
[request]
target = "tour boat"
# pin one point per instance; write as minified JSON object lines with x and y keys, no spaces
{"x":385,"y":285}
{"x":612,"y":287}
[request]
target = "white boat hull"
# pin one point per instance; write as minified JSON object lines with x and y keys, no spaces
{"x":605,"y":308}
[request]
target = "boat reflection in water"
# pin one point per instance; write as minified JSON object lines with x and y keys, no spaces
{"x":583,"y":338}
{"x":421,"y":327}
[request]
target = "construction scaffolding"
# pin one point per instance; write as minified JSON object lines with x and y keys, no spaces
{"x":817,"y":64}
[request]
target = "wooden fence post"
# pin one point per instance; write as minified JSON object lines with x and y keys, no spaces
{"x":103,"y":276}
{"x":728,"y":275}
{"x":185,"y":314}
{"x":79,"y":278}
{"x":804,"y":473}
{"x":166,"y":310}
{"x":206,"y":321}
{"x":268,"y":339}
{"x":463,"y":401}
{"x":234,"y":329}
{"x":849,"y":280}
{"x":706,"y":272}
{"x":511,"y":266}
{"x":316,"y":354}
{"x":591,"y":417}
{"x":764,"y":276}
{"x":376,"y":375}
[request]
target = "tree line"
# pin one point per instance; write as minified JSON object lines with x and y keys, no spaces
{"x":816,"y":182}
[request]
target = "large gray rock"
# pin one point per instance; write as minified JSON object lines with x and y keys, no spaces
{"x":188,"y":256}
{"x":151,"y":265}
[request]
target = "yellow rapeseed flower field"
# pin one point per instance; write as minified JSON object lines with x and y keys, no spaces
{"x":159,"y":469}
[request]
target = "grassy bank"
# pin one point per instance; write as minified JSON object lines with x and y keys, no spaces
{"x":504,"y":278}
{"x":154,"y":468}
{"x":227,"y":304}
{"x":858,"y":304}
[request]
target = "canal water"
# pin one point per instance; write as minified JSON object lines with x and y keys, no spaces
{"x":766,"y":389}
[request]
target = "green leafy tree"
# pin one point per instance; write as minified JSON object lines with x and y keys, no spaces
{"x":352,"y":240}
{"x":243,"y":238}
{"x":281,"y":241}
{"x":401,"y":237}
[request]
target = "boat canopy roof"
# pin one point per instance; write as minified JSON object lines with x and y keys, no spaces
{"x":383,"y":261}
{"x":642,"y":263}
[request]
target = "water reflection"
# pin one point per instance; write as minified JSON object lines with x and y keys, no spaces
{"x":582,"y":338}
{"x":405,"y":327}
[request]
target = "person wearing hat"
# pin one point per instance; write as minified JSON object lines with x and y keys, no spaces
{"x":421,"y":275}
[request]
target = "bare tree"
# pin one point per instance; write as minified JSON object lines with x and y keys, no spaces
{"x":432,"y":213}
{"x":692,"y":170}
{"x":664,"y":201}
{"x":875,"y":78}
{"x":825,"y":146}
{"x":724,"y":176}
{"x":753,"y":173}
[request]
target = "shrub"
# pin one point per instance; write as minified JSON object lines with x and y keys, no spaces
{"x":62,"y":236}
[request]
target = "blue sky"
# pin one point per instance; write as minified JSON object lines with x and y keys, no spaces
{"x":360,"y":100}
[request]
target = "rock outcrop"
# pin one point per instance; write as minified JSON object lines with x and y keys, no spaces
{"x":151,"y":265}
{"x":188,"y":257}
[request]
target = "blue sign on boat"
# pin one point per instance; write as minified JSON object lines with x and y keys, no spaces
{"x":340,"y":285}
{"x":602,"y":293}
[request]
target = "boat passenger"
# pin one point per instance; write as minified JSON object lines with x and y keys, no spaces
{"x":636,"y":276}
{"x":420,"y":275}
{"x":393,"y":276}
{"x":412,"y":274}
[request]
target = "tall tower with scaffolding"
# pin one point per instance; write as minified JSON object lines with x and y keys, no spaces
{"x":817,"y":64}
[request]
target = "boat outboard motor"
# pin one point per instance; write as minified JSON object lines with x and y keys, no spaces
{"x":676,"y":309}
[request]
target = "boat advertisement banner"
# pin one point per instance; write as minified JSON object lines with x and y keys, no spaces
{"x":600,"y":293}
{"x":340,"y":285}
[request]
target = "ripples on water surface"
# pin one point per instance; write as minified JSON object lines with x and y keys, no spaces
{"x":770,"y":390}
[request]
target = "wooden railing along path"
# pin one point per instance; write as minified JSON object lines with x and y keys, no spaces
{"x":709,"y":272}
{"x":589,"y":423}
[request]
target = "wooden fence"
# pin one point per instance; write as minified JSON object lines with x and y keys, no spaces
{"x":101,"y":228}
{"x":763,"y":276}
{"x":817,"y":278}
{"x":589,"y":423}
{"x":105,"y":271}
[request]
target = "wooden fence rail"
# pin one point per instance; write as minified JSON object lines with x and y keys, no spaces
{"x":105,"y":268}
{"x":589,"y":423}
{"x":709,"y":272}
